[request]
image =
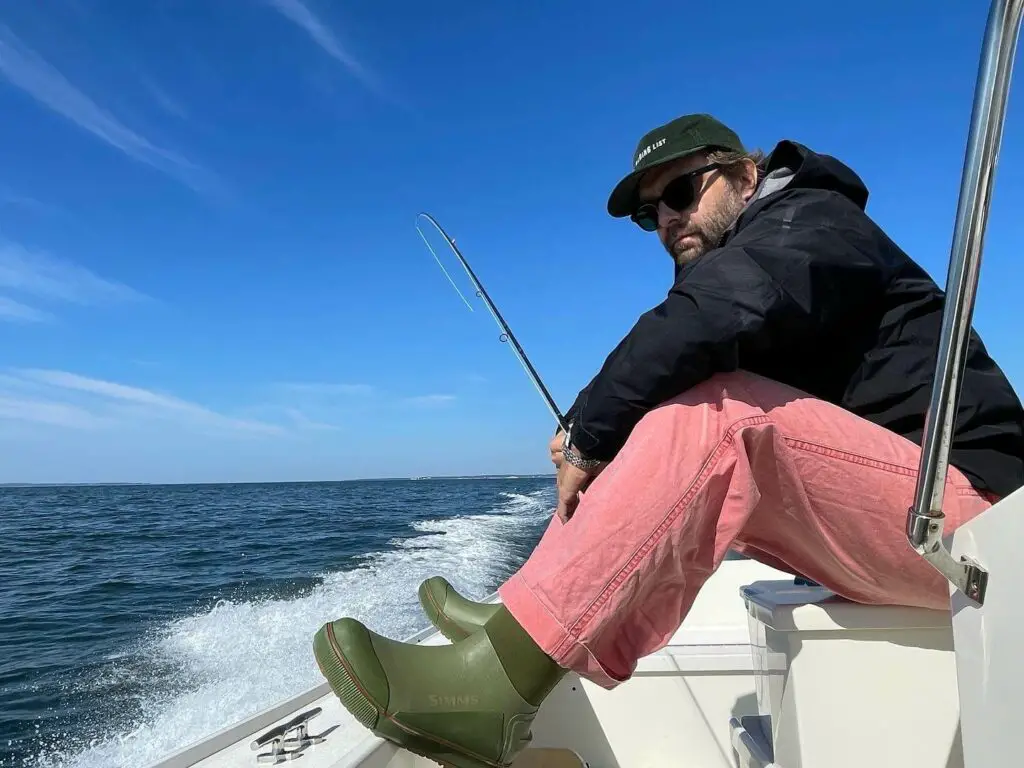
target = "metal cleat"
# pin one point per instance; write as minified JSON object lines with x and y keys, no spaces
{"x":282,"y":745}
{"x":302,"y":737}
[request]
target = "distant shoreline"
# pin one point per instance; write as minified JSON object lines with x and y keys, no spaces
{"x":418,"y":478}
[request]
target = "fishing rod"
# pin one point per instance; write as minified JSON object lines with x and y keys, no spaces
{"x":506,"y":332}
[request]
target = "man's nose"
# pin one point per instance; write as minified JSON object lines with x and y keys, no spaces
{"x":666,"y":216}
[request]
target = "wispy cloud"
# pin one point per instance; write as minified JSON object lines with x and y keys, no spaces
{"x":326,"y":392}
{"x":299,"y":14}
{"x":164,"y":100}
{"x":15,"y":311}
{"x":327,"y":388}
{"x":51,"y":395}
{"x":48,"y":279}
{"x":27,"y":70}
{"x":11,"y":199}
{"x":328,"y":400}
{"x":318,"y":406}
{"x":302,"y":421}
{"x":430,"y":400}
{"x":42,"y":411}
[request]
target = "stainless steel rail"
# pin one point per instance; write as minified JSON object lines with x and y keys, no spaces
{"x":924,"y":520}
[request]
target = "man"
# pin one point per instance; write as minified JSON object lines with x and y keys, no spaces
{"x":773,"y":403}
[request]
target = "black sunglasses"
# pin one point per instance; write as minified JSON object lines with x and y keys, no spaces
{"x":678,"y":195}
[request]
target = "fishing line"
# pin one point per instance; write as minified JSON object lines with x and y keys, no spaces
{"x":506,"y":333}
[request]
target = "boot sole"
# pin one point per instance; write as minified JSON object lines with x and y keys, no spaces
{"x":352,"y":696}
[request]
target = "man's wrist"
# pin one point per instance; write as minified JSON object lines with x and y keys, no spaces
{"x":573,"y":455}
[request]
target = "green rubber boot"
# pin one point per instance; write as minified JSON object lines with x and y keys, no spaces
{"x":466,"y":705}
{"x":455,"y":616}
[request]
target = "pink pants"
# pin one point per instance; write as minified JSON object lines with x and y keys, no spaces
{"x":737,"y":462}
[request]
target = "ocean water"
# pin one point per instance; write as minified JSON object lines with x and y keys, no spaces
{"x":135,"y":620}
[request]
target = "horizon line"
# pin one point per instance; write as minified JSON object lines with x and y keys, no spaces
{"x":114,"y":483}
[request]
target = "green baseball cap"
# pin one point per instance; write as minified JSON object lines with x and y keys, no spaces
{"x":671,"y":141}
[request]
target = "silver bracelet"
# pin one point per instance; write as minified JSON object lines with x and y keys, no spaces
{"x":578,"y":461}
{"x":574,"y":458}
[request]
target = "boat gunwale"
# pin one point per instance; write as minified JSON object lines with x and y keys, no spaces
{"x":210,"y":745}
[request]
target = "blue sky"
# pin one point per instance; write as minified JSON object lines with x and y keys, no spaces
{"x":208,"y":263}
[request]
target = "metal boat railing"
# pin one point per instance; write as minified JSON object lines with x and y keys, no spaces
{"x":924,"y":520}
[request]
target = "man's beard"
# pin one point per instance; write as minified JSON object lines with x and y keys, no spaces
{"x":700,"y":241}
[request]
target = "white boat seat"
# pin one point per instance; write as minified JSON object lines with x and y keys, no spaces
{"x":829,"y":671}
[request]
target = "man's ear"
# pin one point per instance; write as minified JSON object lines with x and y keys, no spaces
{"x":749,"y":183}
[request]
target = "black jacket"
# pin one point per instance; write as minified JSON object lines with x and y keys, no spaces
{"x":806,"y":289}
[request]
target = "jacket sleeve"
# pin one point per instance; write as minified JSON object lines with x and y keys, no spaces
{"x":573,"y":413}
{"x":786,"y":278}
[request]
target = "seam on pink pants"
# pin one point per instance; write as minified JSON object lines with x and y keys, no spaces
{"x":853,"y":458}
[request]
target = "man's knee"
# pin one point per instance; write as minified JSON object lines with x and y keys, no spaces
{"x":738,"y":393}
{"x":724,"y":399}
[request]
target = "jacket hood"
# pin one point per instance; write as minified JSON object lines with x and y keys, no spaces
{"x":792,"y":165}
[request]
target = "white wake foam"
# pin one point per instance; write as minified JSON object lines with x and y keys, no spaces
{"x":239,"y":658}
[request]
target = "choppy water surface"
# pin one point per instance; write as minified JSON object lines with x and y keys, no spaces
{"x":137,"y":619}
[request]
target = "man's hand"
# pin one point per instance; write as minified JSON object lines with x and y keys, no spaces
{"x":555,"y":446}
{"x":571,"y":482}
